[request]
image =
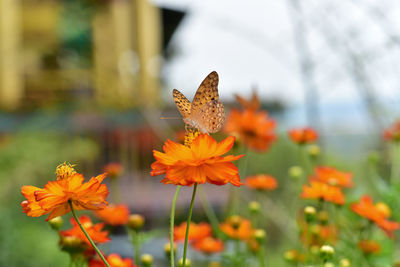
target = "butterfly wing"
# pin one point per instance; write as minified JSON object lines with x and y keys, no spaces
{"x":182,"y":103}
{"x":210,"y":117}
{"x":207,"y":91}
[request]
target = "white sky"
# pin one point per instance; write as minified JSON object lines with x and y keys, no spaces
{"x":252,"y":43}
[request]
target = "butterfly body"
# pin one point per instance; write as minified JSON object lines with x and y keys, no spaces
{"x":205,"y":112}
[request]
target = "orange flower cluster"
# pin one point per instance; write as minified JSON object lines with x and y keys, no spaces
{"x":113,"y":169}
{"x":369,"y":246}
{"x":318,"y":234}
{"x":253,"y":103}
{"x":322,"y":191}
{"x":200,"y":235}
{"x":392,"y":133}
{"x":114,"y":260}
{"x":209,"y":245}
{"x":201,"y":162}
{"x":332,"y":176}
{"x":114,"y":214}
{"x":196,"y":231}
{"x":94,"y":230}
{"x":69,"y":187}
{"x":237,"y":227}
{"x":254,"y":128}
{"x":375,"y":213}
{"x":261,"y":182}
{"x":304,"y":135}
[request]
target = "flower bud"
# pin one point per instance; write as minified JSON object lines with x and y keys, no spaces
{"x":328,"y":264}
{"x":72,"y":244}
{"x":326,"y":252}
{"x":56,"y":223}
{"x":383,"y":208}
{"x":290,"y":255}
{"x":323,"y":217}
{"x":310,"y":213}
{"x":314,"y":250}
{"x":254,"y":207}
{"x":259,"y":235}
{"x":344,"y":263}
{"x":314,"y":151}
{"x":135,"y":222}
{"x":147,"y":260}
{"x":188,"y":263}
{"x":215,"y":264}
{"x":167,"y":249}
{"x":295,"y":172}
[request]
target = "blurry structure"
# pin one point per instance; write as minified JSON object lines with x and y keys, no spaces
{"x":108,"y":51}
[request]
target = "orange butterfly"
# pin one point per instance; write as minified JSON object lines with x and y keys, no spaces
{"x":206,"y":112}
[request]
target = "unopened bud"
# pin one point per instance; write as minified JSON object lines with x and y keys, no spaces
{"x":254,"y":207}
{"x":344,"y":263}
{"x":295,"y":172}
{"x":187,"y":263}
{"x":314,"y":151}
{"x":326,"y":252}
{"x":328,"y":264}
{"x":310,"y":213}
{"x":167,"y":249}
{"x":215,"y":264}
{"x":323,"y":217}
{"x":235,"y":221}
{"x":147,"y":260}
{"x":135,"y":222}
{"x":259,"y":235}
{"x":56,"y":223}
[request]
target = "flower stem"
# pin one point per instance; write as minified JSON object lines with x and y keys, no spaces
{"x":188,"y":225}
{"x":87,"y":235}
{"x":394,"y":176}
{"x":210,"y":213}
{"x":171,"y":229}
{"x":136,"y":245}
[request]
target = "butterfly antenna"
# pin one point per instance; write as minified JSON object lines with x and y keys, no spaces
{"x":169,"y":118}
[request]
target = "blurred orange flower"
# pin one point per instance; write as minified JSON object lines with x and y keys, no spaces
{"x":322,"y":191}
{"x":114,"y":260}
{"x":254,"y":128}
{"x":201,"y":162}
{"x":374,"y":213}
{"x":319,"y":235}
{"x":392,"y":133}
{"x":304,"y":135}
{"x":54,"y":198}
{"x":114,"y":214}
{"x":253,"y":103}
{"x":209,"y":245}
{"x":94,"y":230}
{"x":113,"y":169}
{"x":197,"y":231}
{"x":332,"y":176}
{"x":239,"y":228}
{"x":369,"y":246}
{"x":261,"y":182}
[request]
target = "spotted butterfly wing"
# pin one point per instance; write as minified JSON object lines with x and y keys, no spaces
{"x":207,"y":91}
{"x":182,"y":103}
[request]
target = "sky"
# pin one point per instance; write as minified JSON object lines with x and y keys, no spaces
{"x":253,"y":45}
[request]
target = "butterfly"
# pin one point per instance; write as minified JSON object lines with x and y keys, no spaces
{"x":205,"y":112}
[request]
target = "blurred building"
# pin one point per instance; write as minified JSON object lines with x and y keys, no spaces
{"x":63,"y":50}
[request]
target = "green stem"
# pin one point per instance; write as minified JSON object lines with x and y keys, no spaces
{"x":188,"y":225}
{"x":211,"y":216}
{"x":87,"y":235}
{"x":261,"y":257}
{"x":136,"y":245}
{"x":171,"y":227}
{"x":394,"y":175}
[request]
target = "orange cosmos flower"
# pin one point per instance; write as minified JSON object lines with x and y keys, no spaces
{"x":261,"y":182}
{"x":392,"y":133}
{"x":201,"y":162}
{"x":322,"y":191}
{"x":114,"y":214}
{"x":54,"y":198}
{"x":209,"y":245}
{"x":94,"y":230}
{"x":304,"y":135}
{"x":237,"y":227}
{"x":332,"y":176}
{"x":114,"y":260}
{"x":113,"y":169}
{"x":254,"y":128}
{"x":375,"y":213}
{"x":319,"y":235}
{"x":369,"y":246}
{"x":196,"y":231}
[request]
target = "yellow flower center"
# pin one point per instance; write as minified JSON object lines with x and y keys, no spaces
{"x":190,"y":136}
{"x":65,"y":171}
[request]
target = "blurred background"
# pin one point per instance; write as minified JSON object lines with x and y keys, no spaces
{"x":87,"y":81}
